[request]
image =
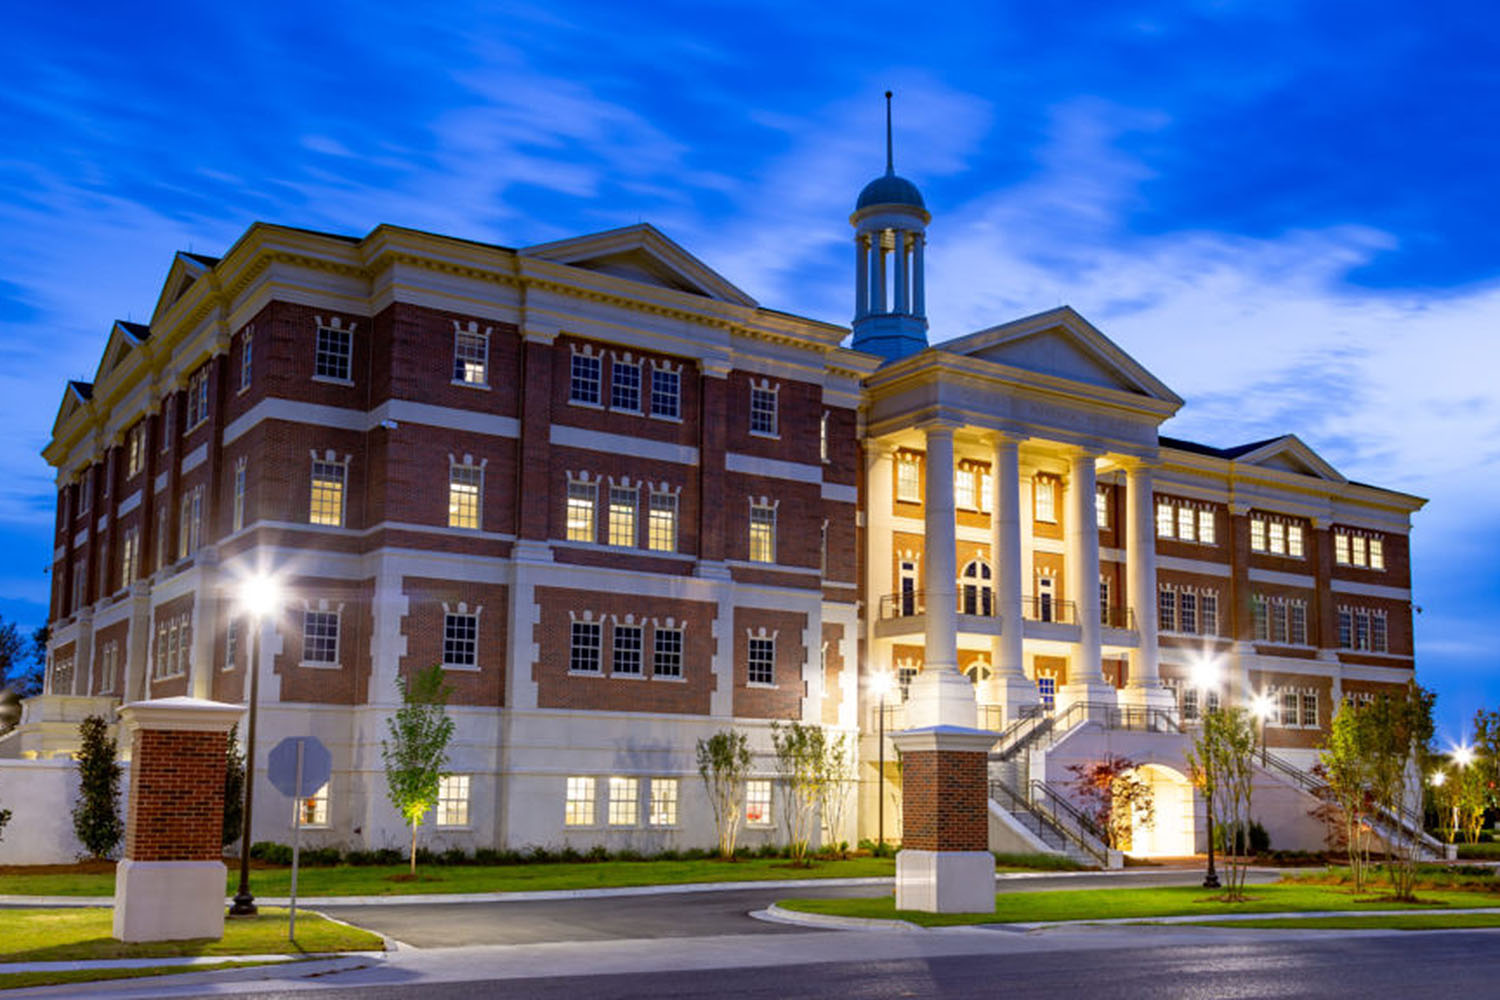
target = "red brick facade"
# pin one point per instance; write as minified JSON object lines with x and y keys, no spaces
{"x":945,"y":801}
{"x":176,"y":796}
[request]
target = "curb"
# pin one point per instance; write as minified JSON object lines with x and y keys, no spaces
{"x":776,"y":915}
{"x":185,"y":962}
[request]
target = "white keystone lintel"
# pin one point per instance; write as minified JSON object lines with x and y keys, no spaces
{"x":182,"y":714}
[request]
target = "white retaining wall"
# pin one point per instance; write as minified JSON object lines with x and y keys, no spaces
{"x":40,"y":795}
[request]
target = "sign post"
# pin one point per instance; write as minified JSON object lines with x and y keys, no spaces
{"x":298,"y":766}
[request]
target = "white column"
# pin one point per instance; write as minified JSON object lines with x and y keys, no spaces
{"x":880,"y":494}
{"x":861,"y":275}
{"x":1140,"y":557}
{"x":942,"y":696}
{"x":902,"y":295}
{"x":919,"y":293}
{"x":1011,"y":686}
{"x":879,"y":257}
{"x":1085,"y":672}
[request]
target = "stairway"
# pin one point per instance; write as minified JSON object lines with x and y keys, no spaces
{"x":1052,"y":820}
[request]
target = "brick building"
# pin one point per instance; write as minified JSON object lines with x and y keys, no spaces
{"x":625,"y":506}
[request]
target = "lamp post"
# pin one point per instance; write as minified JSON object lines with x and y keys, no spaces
{"x":1206,"y":678}
{"x":1463,"y":756}
{"x":257,"y":596}
{"x":1261,"y":706}
{"x":881,"y":684}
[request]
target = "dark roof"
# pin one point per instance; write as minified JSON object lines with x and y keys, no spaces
{"x":1203,"y":449}
{"x":140,"y":331}
{"x":890,"y":190}
{"x":85,"y":390}
{"x":203,"y":259}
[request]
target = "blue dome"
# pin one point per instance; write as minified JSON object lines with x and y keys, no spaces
{"x":890,"y":190}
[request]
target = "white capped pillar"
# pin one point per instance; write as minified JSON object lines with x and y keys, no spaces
{"x":1085,"y":671}
{"x":1011,"y":685}
{"x":1144,"y":683}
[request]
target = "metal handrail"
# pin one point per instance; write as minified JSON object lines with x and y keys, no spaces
{"x":1117,"y":617}
{"x":1316,"y":786}
{"x":910,"y":603}
{"x":1095,"y":843}
{"x":1013,"y":801}
{"x":1035,"y":608}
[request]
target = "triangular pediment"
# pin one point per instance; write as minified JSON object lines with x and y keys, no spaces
{"x":76,"y":395}
{"x":185,"y":270}
{"x":641,"y":253}
{"x":1289,"y":454}
{"x":1062,"y":344}
{"x":124,"y":337}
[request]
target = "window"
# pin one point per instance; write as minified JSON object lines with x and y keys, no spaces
{"x":583,"y":651}
{"x":1166,"y":609}
{"x":1046,"y":688}
{"x":1186,"y":523}
{"x":908,"y":479}
{"x":666,"y":393}
{"x":582,"y":499}
{"x":1187,"y":703}
{"x":130,"y":556}
{"x":1287,"y":708}
{"x":622,"y":504}
{"x":247,"y":358}
{"x":80,"y":584}
{"x":315,"y":807}
{"x":823,"y":437}
{"x":453,"y":800}
{"x":1101,"y":508}
{"x":1277,"y":538}
{"x":1377,"y":632}
{"x":190,"y":527}
{"x":1297,"y":628}
{"x":762,"y":661}
{"x":109,"y":671}
{"x":625,"y":386}
{"x":757,"y":802}
{"x":1206,"y":527}
{"x":763,"y":410}
{"x":1182,"y":609}
{"x":471,"y":357}
{"x":1294,"y":540}
{"x":334,"y":350}
{"x":464,"y":485}
{"x":986,"y":492}
{"x":231,"y":643}
{"x":1363,"y":629}
{"x":627,"y":649}
{"x":1045,"y":495}
{"x":135,"y":449}
{"x":1310,"y":709}
{"x":963,"y":488}
{"x":320,"y":637}
{"x":1341,"y":549}
{"x":762,"y":533}
{"x":1208,"y":613}
{"x":624,"y":798}
{"x":667,"y":653}
{"x":1165,"y":525}
{"x":975,"y":595}
{"x":1257,"y":535}
{"x":85,"y":492}
{"x":170,"y":656}
{"x":578,"y":808}
{"x":161,"y":538}
{"x":663,"y":802}
{"x":1358,"y":549}
{"x":1346,"y":629}
{"x":661,"y":528}
{"x":583,"y":384}
{"x":238,"y":515}
{"x":167,"y":423}
{"x":1279,"y":620}
{"x":460,"y":640}
{"x":327,"y":500}
{"x":1377,"y":554}
{"x":197,"y":398}
{"x":1187,"y":611}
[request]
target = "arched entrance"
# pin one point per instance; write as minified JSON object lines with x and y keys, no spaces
{"x":1171,"y":834}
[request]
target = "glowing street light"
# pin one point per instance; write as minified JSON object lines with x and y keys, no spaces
{"x":1438,"y":779}
{"x":259,"y":596}
{"x":1262,"y":706}
{"x":1206,"y":673}
{"x":1463,"y":756}
{"x":880,"y":684}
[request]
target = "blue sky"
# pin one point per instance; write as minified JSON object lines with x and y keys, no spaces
{"x":1286,"y":211}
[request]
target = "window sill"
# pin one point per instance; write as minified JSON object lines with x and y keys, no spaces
{"x":669,"y":678}
{"x":626,"y":411}
{"x":585,"y":404}
{"x":760,"y":684}
{"x":627,"y":676}
{"x":461,"y":827}
{"x":465,"y":527}
{"x":585,"y":673}
{"x":331,"y":380}
{"x":465,"y":383}
{"x":320,"y":665}
{"x":467,"y":668}
{"x":668,"y":418}
{"x":200,"y":423}
{"x":767,"y":435}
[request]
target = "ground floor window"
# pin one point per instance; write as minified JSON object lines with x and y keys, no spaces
{"x":315,"y":808}
{"x":758,"y":802}
{"x":578,"y":808}
{"x":624,"y":794}
{"x":453,"y":800}
{"x":663,"y":802}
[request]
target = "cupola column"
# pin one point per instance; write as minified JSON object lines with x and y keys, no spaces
{"x":919,"y":296}
{"x":902,"y":274}
{"x":861,"y":276}
{"x":879,"y":260}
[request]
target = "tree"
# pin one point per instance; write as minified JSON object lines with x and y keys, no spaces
{"x":4,"y":819}
{"x":1344,"y":764}
{"x":724,"y":764}
{"x":1396,"y":732}
{"x":801,"y":762}
{"x":417,"y":751}
{"x":838,"y":776}
{"x":1114,"y":797}
{"x":1222,"y":760}
{"x":21,"y":659}
{"x":234,"y":789}
{"x":1470,"y":791}
{"x":96,"y":816}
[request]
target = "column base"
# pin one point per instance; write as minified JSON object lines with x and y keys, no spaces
{"x":1148,"y":697}
{"x":1015,"y":695}
{"x":945,"y":881}
{"x":169,"y":900}
{"x":1098,"y":695}
{"x":941,"y":697}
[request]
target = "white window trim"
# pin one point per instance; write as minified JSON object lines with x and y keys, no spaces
{"x":461,"y":611}
{"x":338,"y":637}
{"x":472,"y":330}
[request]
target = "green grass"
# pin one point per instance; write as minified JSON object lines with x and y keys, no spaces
{"x":1036,"y":862}
{"x":1107,"y":904}
{"x":84,"y":934}
{"x":24,"y":980}
{"x":1391,"y":922}
{"x":385,"y":880}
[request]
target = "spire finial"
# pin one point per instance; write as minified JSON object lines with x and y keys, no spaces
{"x":890,"y":165}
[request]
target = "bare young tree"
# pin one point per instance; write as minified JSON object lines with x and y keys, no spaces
{"x":724,"y":764}
{"x":1397,"y":731}
{"x":1344,"y":765}
{"x":837,"y":780}
{"x":1222,"y":760}
{"x":800,"y":761}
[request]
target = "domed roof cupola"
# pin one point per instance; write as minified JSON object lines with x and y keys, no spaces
{"x":890,"y":231}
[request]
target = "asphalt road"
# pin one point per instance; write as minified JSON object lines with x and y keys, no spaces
{"x":669,"y":915}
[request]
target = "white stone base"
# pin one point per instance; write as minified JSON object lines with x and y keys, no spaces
{"x":1016,"y":694}
{"x":941,"y":697}
{"x":945,"y":881}
{"x":1098,"y":696}
{"x":169,"y":900}
{"x":1149,"y":697}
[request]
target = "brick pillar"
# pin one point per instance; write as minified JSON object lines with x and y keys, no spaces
{"x":713,"y":422}
{"x":944,"y":865}
{"x":170,"y":885}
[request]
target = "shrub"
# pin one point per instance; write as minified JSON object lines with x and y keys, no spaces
{"x":96,"y":816}
{"x":1039,"y":862}
{"x":598,"y":853}
{"x":271,"y":853}
{"x":627,"y":854}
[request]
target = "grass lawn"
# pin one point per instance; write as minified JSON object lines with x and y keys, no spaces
{"x":22,"y":980}
{"x":1105,"y":904}
{"x":1489,"y":851}
{"x":83,"y":934}
{"x":1394,"y":922}
{"x":384,"y":880}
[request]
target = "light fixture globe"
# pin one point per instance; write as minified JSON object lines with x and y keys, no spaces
{"x":259,"y":595}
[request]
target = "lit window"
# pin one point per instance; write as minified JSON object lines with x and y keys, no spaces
{"x":578,"y":809}
{"x":666,"y":654}
{"x":661,"y":529}
{"x":109,"y":675}
{"x":583,"y":651}
{"x":453,"y":800}
{"x":471,"y":357}
{"x":1294,"y":540}
{"x":327,"y":505}
{"x":130,"y":557}
{"x":762,"y":411}
{"x":1165,"y":525}
{"x":584,"y":380}
{"x":1377,"y":554}
{"x":231,"y":643}
{"x":908,"y":480}
{"x":627,"y":649}
{"x":320,"y":637}
{"x":963,"y":488}
{"x":758,"y":802}
{"x":582,"y":501}
{"x":986,"y":492}
{"x":247,"y":358}
{"x":238,"y":515}
{"x":1046,"y":501}
{"x":622,"y":504}
{"x":314,"y":807}
{"x":1046,"y":689}
{"x":1277,"y":532}
{"x":1341,"y":549}
{"x":625,"y":387}
{"x":135,"y":449}
{"x":334,"y":350}
{"x":197,"y":398}
{"x":1206,"y":527}
{"x":1257,"y":534}
{"x":1186,"y":523}
{"x":624,"y":798}
{"x":666,"y":393}
{"x":762,"y":533}
{"x":460,"y":640}
{"x":1357,"y":546}
{"x":464,"y":485}
{"x":663,"y":802}
{"x":823,"y":437}
{"x":762,"y":661}
{"x":1101,"y":508}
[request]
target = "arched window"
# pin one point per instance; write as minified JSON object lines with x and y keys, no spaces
{"x":978,"y":672}
{"x":975,"y":595}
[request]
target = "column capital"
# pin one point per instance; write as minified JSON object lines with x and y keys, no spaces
{"x":939,"y":423}
{"x":1003,"y":436}
{"x":1238,"y":508}
{"x":1137,"y":464}
{"x":1078,"y":452}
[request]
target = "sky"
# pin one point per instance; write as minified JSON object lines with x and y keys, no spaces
{"x":1286,"y":211}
